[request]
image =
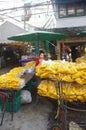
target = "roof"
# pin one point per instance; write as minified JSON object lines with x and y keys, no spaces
{"x":9,"y":29}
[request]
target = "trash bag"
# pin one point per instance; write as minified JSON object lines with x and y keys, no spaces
{"x":25,"y":97}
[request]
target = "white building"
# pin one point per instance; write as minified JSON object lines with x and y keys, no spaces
{"x":70,"y":13}
{"x":70,"y":18}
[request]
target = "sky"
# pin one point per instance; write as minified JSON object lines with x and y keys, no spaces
{"x":13,"y":10}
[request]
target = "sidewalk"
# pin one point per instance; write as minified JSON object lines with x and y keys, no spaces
{"x":29,"y":117}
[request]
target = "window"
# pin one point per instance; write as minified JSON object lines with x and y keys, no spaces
{"x":62,"y":11}
{"x":71,"y":10}
{"x":79,"y":9}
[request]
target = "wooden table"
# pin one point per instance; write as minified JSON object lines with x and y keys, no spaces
{"x":27,"y":76}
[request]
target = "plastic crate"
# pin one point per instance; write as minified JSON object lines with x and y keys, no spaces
{"x":17,"y":104}
{"x":18,"y":93}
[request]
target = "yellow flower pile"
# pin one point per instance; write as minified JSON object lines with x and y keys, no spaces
{"x":70,"y":92}
{"x":73,"y":92}
{"x":81,"y":59}
{"x":47,"y":71}
{"x":80,"y":76}
{"x":30,"y":64}
{"x":68,"y":72}
{"x":17,"y":71}
{"x":47,"y":88}
{"x":9,"y":82}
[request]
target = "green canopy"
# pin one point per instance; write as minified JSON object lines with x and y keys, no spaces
{"x":82,"y":34}
{"x":38,"y":36}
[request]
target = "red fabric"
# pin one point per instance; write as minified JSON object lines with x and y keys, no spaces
{"x":37,"y":62}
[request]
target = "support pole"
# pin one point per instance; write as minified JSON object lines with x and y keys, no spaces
{"x":37,"y":48}
{"x":63,"y":50}
{"x":47,"y":45}
{"x":58,"y":49}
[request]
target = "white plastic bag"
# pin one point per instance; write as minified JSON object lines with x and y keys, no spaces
{"x":30,"y":70}
{"x":25,"y":97}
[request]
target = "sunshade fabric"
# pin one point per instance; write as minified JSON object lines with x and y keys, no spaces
{"x":38,"y":36}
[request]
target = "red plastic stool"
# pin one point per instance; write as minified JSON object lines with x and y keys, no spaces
{"x":4,"y":97}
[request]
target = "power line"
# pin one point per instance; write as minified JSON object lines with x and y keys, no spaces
{"x":30,"y":6}
{"x":27,"y":6}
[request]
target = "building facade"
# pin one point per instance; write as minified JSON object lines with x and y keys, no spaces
{"x":70,"y":18}
{"x":70,"y":13}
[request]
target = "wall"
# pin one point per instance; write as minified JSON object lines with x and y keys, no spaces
{"x":71,"y":22}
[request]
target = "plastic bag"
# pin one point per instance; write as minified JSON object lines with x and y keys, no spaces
{"x":25,"y":97}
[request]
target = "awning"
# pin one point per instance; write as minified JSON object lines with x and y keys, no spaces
{"x":38,"y":36}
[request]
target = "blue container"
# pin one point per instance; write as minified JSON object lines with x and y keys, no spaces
{"x":22,"y":62}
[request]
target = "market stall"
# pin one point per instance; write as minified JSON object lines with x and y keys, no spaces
{"x":65,"y":82}
{"x":42,"y":36}
{"x":13,"y":82}
{"x":38,"y":37}
{"x":59,"y":80}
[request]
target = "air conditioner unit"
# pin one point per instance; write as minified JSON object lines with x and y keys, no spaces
{"x":25,"y":17}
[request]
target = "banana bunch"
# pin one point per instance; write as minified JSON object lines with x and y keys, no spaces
{"x":47,"y":88}
{"x":73,"y":92}
{"x":9,"y":82}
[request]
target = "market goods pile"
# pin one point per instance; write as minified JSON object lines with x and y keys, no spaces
{"x":81,"y":59}
{"x":9,"y":82}
{"x":47,"y":88}
{"x":30,"y":67}
{"x":30,"y":64}
{"x":66,"y":72}
{"x":12,"y":79}
{"x":73,"y":92}
{"x":69,"y":91}
{"x":16,"y":72}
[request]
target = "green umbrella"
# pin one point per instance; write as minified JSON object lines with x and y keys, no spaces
{"x":38,"y":36}
{"x":82,"y":34}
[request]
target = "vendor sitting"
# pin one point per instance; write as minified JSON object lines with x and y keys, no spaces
{"x":41,"y":58}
